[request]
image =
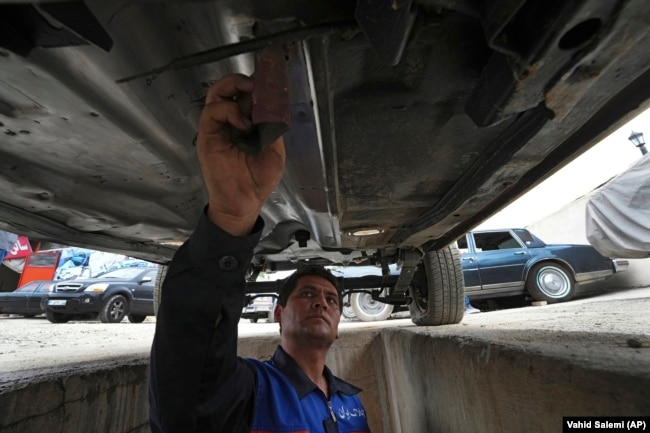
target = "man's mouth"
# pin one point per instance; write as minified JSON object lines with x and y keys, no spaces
{"x":319,"y":317}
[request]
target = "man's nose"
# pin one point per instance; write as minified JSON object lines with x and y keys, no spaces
{"x":320,"y":300}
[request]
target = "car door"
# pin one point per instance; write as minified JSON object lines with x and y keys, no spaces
{"x":34,"y":300}
{"x":501,"y":260}
{"x":469,"y":264}
{"x":16,"y":302}
{"x":142,"y":293}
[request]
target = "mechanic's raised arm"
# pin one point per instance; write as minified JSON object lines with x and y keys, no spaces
{"x":197,"y":383}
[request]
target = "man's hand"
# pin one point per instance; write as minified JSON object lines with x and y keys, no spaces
{"x":238,"y":184}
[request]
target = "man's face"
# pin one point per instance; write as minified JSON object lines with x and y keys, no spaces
{"x":312,"y":312}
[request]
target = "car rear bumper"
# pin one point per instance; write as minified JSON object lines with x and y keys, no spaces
{"x":621,"y":265}
{"x":256,"y":312}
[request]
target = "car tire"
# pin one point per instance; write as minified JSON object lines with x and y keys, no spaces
{"x":438,"y":289}
{"x":253,"y":319}
{"x":114,"y":309}
{"x":157,"y":287}
{"x":55,"y":317}
{"x":347,"y":311}
{"x":367,"y":309}
{"x":550,"y":282}
{"x":136,"y":318}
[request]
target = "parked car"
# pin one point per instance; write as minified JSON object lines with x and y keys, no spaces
{"x":510,"y":262}
{"x":407,"y":122}
{"x":25,"y":300}
{"x":259,"y":307}
{"x":126,"y":292}
{"x":515,"y":261}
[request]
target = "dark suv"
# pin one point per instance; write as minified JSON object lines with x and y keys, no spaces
{"x":114,"y":295}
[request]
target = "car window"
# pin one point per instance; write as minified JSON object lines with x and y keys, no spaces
{"x":490,"y":241}
{"x":462,"y":245}
{"x":263,"y":300}
{"x":524,"y":236}
{"x":529,"y":239}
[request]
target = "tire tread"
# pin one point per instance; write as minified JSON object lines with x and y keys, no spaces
{"x":445,"y":289}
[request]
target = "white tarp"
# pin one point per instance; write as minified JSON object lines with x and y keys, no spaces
{"x":7,"y":240}
{"x":618,"y":214}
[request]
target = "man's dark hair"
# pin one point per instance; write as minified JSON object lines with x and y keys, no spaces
{"x":289,"y":284}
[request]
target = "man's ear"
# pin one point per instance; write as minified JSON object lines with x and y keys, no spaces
{"x":277,"y":313}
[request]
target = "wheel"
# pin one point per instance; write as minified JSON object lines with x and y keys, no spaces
{"x":438,"y":289}
{"x":253,"y":319}
{"x":29,"y":316}
{"x":136,"y":318}
{"x":550,"y":282}
{"x":157,"y":287}
{"x":367,"y":309}
{"x":56,"y":317}
{"x":347,"y":311}
{"x":113,"y":310}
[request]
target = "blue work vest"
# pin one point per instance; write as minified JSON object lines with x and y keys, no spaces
{"x":279,"y":409}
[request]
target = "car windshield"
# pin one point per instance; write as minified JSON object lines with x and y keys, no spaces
{"x":123,"y":274}
{"x":27,"y":288}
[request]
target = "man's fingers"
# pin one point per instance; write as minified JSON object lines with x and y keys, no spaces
{"x":229,"y":87}
{"x":222,"y":112}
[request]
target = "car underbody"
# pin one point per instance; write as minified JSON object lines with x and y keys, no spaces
{"x":411,"y":121}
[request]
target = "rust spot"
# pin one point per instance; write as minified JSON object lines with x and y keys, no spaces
{"x":638,"y":343}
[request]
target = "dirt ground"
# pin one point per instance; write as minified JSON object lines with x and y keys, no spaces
{"x":34,"y":347}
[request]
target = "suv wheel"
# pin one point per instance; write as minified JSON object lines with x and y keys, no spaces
{"x":55,"y":317}
{"x":114,"y":309}
{"x":438,"y":289}
{"x":136,"y":318}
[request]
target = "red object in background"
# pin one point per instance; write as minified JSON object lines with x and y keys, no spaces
{"x":40,"y":266}
{"x":21,"y":249}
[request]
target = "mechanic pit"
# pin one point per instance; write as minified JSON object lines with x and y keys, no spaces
{"x":503,"y":371}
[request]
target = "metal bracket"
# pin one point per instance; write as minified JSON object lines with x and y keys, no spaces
{"x":271,"y":110}
{"x":410,"y":259}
